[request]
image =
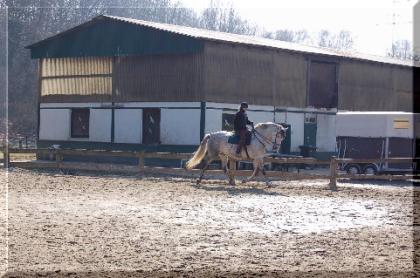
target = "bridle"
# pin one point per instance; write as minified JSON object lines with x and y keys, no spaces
{"x":261,"y":138}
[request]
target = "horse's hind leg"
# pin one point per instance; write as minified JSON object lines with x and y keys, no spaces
{"x":207,"y":160}
{"x":226,"y":169}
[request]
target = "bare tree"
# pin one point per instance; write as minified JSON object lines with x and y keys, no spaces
{"x":300,"y":36}
{"x":342,"y":40}
{"x":218,"y":18}
{"x":402,"y":49}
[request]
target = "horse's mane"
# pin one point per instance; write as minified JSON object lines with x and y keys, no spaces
{"x":266,"y":125}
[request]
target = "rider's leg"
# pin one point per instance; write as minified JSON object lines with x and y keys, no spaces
{"x":242,"y":135}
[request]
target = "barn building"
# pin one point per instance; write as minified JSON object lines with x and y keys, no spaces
{"x":126,"y":84}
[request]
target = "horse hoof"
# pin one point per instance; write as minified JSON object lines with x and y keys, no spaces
{"x":198,"y":182}
{"x":269,"y":185}
{"x":243,"y":181}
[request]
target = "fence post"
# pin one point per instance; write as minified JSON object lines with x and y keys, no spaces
{"x":6,"y":157}
{"x":333,"y":173}
{"x":58,"y":158}
{"x":141,"y":161}
{"x":232,"y":166}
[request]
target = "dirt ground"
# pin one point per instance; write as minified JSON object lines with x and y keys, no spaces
{"x":95,"y":225}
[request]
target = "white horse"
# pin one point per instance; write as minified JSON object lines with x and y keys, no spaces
{"x":265,"y":137}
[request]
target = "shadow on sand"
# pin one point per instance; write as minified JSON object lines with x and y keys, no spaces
{"x":235,"y":190}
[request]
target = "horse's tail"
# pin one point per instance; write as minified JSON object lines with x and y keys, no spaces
{"x":199,"y":154}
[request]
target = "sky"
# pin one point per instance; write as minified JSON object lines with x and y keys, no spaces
{"x":369,"y":21}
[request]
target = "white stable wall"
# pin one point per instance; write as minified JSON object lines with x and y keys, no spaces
{"x":260,"y":116}
{"x":325,"y":134}
{"x":180,"y":126}
{"x":100,"y":125}
{"x":54,"y":124}
{"x":128,"y":126}
{"x":213,"y":120}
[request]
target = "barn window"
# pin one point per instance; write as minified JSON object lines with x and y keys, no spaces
{"x":323,"y":85}
{"x":76,"y":76}
{"x":227,"y":121}
{"x":80,"y":123}
{"x":151,"y":126}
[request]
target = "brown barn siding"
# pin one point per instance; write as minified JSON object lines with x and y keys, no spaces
{"x":237,"y":73}
{"x":365,"y":87}
{"x":158,"y":78}
{"x":290,"y":79}
{"x":264,"y":77}
{"x":403,"y":88}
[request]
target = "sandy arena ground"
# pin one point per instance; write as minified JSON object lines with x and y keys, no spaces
{"x":128,"y":226}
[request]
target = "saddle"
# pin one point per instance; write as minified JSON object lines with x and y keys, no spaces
{"x":234,"y":139}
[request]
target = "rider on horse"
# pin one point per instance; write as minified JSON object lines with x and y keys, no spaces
{"x":240,"y":122}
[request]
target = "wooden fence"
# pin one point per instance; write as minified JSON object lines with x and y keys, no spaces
{"x":59,"y":163}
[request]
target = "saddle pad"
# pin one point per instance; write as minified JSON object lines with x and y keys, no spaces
{"x":234,"y":139}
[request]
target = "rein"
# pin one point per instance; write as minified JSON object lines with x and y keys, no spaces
{"x":265,"y":139}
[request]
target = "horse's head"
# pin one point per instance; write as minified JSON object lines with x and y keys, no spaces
{"x":276,"y":133}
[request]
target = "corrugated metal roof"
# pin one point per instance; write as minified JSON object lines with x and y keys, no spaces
{"x":259,"y":41}
{"x":246,"y":40}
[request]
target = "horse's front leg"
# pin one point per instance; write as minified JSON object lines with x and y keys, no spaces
{"x":256,"y":164}
{"x":267,"y":181}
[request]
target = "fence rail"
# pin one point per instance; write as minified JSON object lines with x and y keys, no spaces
{"x":59,"y":155}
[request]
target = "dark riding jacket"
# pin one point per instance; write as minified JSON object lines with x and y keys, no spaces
{"x":240,"y":121}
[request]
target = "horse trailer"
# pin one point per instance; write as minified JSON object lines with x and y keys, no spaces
{"x":376,"y":135}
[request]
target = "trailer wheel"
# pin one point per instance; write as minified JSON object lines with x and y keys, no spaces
{"x":370,"y":169}
{"x":353,"y":169}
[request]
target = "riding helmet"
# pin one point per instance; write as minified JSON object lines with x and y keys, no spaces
{"x":244,"y":105}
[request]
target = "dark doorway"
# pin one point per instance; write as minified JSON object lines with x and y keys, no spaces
{"x":309,"y":134}
{"x":227,"y":121}
{"x":80,"y":123}
{"x":287,"y":142}
{"x":151,"y":126}
{"x":323,"y":85}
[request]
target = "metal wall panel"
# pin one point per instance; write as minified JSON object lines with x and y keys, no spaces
{"x":76,"y":76}
{"x":158,"y":78}
{"x":373,"y":87}
{"x":105,"y":37}
{"x":76,"y":66}
{"x":259,"y":76}
{"x":77,"y":86}
{"x":290,"y":80}
{"x":235,"y":74}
